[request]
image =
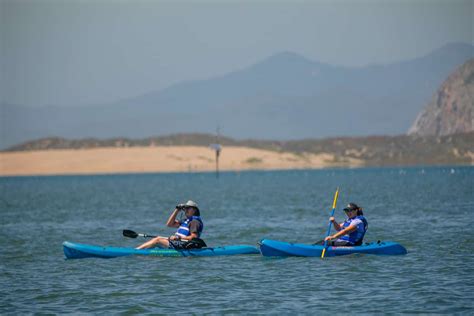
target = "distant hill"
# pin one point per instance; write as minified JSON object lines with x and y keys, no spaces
{"x":285,"y":96}
{"x":452,"y":108}
{"x":373,"y":151}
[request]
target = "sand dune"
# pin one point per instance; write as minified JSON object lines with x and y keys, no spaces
{"x":156,"y":159}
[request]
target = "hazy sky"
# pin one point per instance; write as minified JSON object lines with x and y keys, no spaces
{"x":91,"y":52}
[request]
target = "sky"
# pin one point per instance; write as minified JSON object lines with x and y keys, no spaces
{"x":75,"y":53}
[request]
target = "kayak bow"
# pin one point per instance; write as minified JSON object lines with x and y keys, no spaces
{"x":274,"y":248}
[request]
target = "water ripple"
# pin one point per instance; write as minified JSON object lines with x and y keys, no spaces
{"x":431,"y":214}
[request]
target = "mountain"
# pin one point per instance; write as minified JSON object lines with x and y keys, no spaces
{"x":451,"y":109}
{"x":285,"y":96}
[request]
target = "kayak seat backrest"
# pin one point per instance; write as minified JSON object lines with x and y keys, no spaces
{"x":195,"y":243}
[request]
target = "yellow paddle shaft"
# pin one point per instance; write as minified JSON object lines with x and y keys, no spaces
{"x":335,"y":199}
{"x":332,"y":214}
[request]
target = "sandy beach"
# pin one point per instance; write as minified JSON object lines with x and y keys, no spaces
{"x":157,"y":159}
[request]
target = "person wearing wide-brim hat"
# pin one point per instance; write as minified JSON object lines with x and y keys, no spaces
{"x":352,"y":231}
{"x":188,"y":233}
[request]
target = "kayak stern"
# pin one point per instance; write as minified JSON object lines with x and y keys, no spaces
{"x":79,"y":251}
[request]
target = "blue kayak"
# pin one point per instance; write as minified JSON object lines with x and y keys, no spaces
{"x":274,"y":248}
{"x":77,"y":251}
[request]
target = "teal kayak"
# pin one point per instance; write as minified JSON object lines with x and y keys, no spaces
{"x":274,"y":248}
{"x":77,"y":251}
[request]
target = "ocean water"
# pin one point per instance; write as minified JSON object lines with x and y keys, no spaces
{"x":429,"y":211}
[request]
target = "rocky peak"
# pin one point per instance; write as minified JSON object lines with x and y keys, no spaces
{"x":451,"y":109}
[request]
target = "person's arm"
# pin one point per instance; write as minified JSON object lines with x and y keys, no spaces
{"x":187,"y":238}
{"x":194,"y":227}
{"x":336,"y":225}
{"x":172,"y":222}
{"x":343,"y":232}
{"x":193,"y":230}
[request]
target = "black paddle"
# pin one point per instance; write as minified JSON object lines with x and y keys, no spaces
{"x":195,"y":242}
{"x":132,"y":234}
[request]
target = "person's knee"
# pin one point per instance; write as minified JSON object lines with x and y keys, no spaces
{"x":161,"y":240}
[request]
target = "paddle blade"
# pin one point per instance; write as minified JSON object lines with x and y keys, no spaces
{"x":322,"y":254}
{"x":130,"y":233}
{"x":335,"y":199}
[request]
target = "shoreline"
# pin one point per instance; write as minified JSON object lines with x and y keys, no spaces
{"x":403,"y":170}
{"x":221,"y":172}
{"x":159,"y":159}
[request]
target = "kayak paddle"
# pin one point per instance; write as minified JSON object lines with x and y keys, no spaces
{"x":329,"y":227}
{"x":132,"y":234}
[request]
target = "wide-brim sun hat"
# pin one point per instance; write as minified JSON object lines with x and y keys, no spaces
{"x":191,"y":204}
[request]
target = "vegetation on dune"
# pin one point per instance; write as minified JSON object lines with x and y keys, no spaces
{"x":253,"y":160}
{"x":372,"y":150}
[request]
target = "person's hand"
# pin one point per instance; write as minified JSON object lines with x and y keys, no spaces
{"x":174,"y":237}
{"x":329,"y":238}
{"x":332,"y":219}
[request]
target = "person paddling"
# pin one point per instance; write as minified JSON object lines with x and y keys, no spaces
{"x":188,"y":233}
{"x":352,"y":231}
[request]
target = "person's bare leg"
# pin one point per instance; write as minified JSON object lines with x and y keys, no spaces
{"x":160,"y":241}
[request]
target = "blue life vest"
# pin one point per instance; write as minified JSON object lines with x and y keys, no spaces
{"x":183,"y":229}
{"x":357,"y":235}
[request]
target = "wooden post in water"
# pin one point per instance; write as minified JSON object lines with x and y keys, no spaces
{"x":217,"y":147}
{"x":218,"y":151}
